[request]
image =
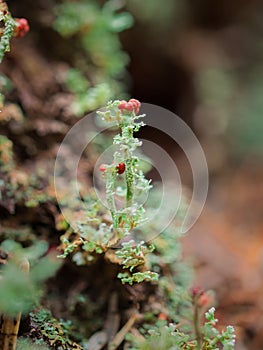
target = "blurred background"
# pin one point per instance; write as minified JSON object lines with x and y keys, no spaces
{"x":201,"y":59}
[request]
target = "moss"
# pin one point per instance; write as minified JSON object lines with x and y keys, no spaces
{"x":56,"y":333}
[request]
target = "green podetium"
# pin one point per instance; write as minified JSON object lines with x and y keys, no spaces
{"x":125,"y":219}
{"x":126,"y":163}
{"x":123,"y":179}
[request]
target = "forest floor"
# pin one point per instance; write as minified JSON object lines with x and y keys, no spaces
{"x":226,"y":246}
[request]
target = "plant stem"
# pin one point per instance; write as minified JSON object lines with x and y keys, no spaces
{"x":129,"y":183}
{"x":110,"y":189}
{"x":119,"y":337}
{"x":197,"y":327}
{"x":128,"y":132}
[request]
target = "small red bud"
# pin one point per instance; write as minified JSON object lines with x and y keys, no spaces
{"x":102,"y":168}
{"x":129,"y":106}
{"x":203,"y":299}
{"x":196,"y":291}
{"x":136,"y":104}
{"x":132,"y":105}
{"x":120,"y":168}
{"x":122,"y":104}
{"x":162,"y":316}
{"x":21,"y":28}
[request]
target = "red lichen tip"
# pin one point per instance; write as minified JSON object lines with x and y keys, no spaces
{"x":131,"y":105}
{"x":122,"y":104}
{"x":120,"y":168}
{"x":204,"y":299}
{"x":162,"y":316}
{"x":196,"y":291}
{"x":21,"y":28}
{"x":102,"y":168}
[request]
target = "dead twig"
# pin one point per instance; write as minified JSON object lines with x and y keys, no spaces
{"x":119,"y":337}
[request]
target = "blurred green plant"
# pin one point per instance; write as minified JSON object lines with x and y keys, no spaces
{"x":26,"y":344}
{"x":169,"y":15}
{"x":245,"y":133}
{"x":7,"y":31}
{"x":16,"y":186}
{"x":230,"y":109}
{"x":99,"y":62}
{"x":21,"y":291}
{"x":169,"y":337}
{"x":5,"y":87}
{"x":6,"y":154}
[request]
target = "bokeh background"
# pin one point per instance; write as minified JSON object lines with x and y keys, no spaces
{"x":203,"y":60}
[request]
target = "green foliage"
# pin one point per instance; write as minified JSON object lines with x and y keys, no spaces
{"x":138,"y":277}
{"x":164,"y":337}
{"x":169,"y":337}
{"x":9,"y":25}
{"x":17,"y":187}
{"x":24,"y":234}
{"x":234,"y":105}
{"x":32,"y":253}
{"x":93,"y":236}
{"x":6,"y":154}
{"x":148,"y":10}
{"x":26,"y":344}
{"x":90,"y":99}
{"x":133,"y":255}
{"x":55,"y":333}
{"x":5,"y":86}
{"x":245,"y":134}
{"x":176,"y":274}
{"x":20,"y":290}
{"x":77,"y":82}
{"x":212,"y":337}
{"x":96,"y":76}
